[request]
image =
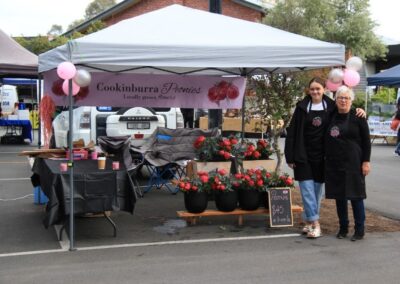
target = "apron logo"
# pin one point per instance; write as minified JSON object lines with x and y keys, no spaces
{"x":317,"y":121}
{"x":335,"y":132}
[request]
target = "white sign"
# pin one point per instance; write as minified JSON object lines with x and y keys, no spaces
{"x":381,"y":128}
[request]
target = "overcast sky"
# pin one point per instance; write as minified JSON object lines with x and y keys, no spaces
{"x":33,"y":17}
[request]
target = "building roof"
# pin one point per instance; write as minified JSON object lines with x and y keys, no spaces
{"x":252,"y":4}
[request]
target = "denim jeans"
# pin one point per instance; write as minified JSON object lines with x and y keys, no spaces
{"x":358,"y":214}
{"x":311,"y":194}
{"x":398,"y":148}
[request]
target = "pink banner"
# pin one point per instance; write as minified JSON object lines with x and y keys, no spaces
{"x":147,"y":90}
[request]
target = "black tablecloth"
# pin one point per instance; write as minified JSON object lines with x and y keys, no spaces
{"x":94,"y":190}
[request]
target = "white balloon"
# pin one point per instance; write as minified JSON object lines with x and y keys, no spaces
{"x":82,"y":78}
{"x":336,"y":75}
{"x":354,"y":63}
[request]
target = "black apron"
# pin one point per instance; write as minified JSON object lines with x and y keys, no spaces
{"x":344,"y":178}
{"x":314,"y":131}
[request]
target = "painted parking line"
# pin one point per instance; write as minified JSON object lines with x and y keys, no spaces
{"x":212,"y":240}
{"x":13,"y":179}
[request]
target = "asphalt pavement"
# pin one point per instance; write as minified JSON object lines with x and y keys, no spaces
{"x":154,"y":246}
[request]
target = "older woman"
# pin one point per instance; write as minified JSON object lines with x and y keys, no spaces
{"x":347,"y":156}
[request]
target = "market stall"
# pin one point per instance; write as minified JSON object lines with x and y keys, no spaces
{"x":184,"y":42}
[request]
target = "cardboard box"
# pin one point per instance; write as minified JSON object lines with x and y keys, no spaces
{"x":203,"y":123}
{"x":235,"y":124}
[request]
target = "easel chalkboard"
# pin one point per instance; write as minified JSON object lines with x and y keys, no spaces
{"x":280,"y":207}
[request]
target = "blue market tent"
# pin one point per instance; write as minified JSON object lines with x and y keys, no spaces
{"x":389,"y":77}
{"x":18,"y":81}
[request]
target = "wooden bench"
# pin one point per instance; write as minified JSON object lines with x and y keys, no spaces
{"x":191,"y":218}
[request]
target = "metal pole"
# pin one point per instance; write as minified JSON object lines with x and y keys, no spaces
{"x":214,"y":115}
{"x":71,"y":169}
{"x":244,"y":73}
{"x":71,"y":160}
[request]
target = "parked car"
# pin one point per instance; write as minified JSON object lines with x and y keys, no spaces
{"x":92,"y":122}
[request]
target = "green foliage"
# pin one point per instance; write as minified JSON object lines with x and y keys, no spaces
{"x":95,"y":26}
{"x":98,"y":6}
{"x":40,"y":44}
{"x":359,"y":100}
{"x":275,"y":97}
{"x":342,"y":21}
{"x":55,"y":30}
{"x":75,"y":24}
{"x":384,"y":95}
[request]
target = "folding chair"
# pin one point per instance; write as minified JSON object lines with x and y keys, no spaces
{"x":120,"y":148}
{"x":167,"y":153}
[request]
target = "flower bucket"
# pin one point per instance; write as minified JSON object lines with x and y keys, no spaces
{"x":226,"y":201}
{"x":268,"y":165}
{"x":195,"y":202}
{"x":264,"y":200}
{"x":210,"y":166}
{"x":249,"y":199}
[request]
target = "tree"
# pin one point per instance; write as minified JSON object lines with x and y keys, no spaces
{"x":385,"y":95}
{"x":98,"y":6}
{"x":55,"y":30}
{"x":342,"y":21}
{"x":275,"y":95}
{"x":75,"y":24}
{"x":40,"y":44}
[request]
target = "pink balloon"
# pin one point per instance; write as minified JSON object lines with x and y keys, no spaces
{"x":66,"y":70}
{"x":332,"y":86}
{"x":351,"y":77}
{"x":75,"y":88}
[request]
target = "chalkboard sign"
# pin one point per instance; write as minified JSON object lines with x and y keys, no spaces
{"x":280,"y":207}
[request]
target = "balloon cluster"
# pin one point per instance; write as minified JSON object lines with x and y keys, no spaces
{"x":349,"y":76}
{"x":80,"y":80}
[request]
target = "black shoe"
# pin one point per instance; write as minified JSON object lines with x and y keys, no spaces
{"x":357,"y":236}
{"x":342,"y":233}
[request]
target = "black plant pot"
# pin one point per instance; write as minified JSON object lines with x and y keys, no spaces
{"x":226,"y":201}
{"x":195,"y":202}
{"x":264,"y":200}
{"x":249,"y":199}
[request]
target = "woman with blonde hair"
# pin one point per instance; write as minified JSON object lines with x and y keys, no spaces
{"x":347,"y":162}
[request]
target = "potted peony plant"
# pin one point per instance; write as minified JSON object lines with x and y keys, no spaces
{"x":213,"y":153}
{"x":225,"y":195}
{"x":195,"y":192}
{"x":280,"y":180}
{"x":252,"y":186}
{"x":255,"y":155}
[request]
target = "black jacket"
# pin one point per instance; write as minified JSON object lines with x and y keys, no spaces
{"x":295,"y":150}
{"x":347,"y":147}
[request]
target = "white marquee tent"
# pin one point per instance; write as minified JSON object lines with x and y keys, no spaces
{"x":182,"y":40}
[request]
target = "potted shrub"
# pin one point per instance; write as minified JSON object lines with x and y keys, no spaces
{"x":213,"y":153}
{"x":195,"y":192}
{"x":252,"y":186}
{"x":255,"y":155}
{"x":224,"y":194}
